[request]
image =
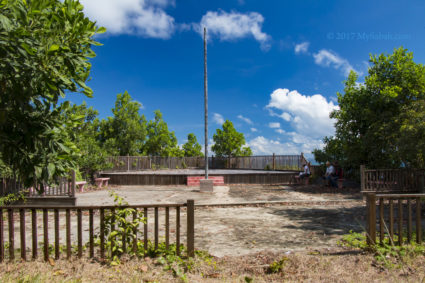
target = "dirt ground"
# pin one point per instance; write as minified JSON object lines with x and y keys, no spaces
{"x":285,"y":219}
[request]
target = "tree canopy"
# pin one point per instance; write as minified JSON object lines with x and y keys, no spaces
{"x":45,"y":47}
{"x":229,"y":142}
{"x":192,"y":147}
{"x":381,"y":122}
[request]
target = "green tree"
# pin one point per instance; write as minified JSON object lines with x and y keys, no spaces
{"x":125,"y":132}
{"x":228,"y":142}
{"x":381,"y":123}
{"x":192,"y":147}
{"x":45,"y":47}
{"x":160,"y":142}
{"x":92,"y":157}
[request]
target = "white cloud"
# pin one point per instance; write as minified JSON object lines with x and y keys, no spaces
{"x":232,"y":26}
{"x":274,"y":125}
{"x":310,"y":114}
{"x":264,"y":146}
{"x":246,"y":120}
{"x":218,"y":119}
{"x":146,"y":18}
{"x":328,"y":58}
{"x":254,"y":130}
{"x":286,"y":116}
{"x":302,"y":47}
{"x":279,"y":131}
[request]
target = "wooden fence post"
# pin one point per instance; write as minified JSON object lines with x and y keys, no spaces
{"x":274,"y":162}
{"x":362,"y":178}
{"x":371,"y":219}
{"x":128,"y":163}
{"x":73,"y":183}
{"x":190,"y":228}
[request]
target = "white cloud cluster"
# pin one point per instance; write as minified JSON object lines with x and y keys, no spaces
{"x":218,"y":119}
{"x":328,"y":58}
{"x":274,"y":125}
{"x":254,"y":130}
{"x":264,"y":146}
{"x":245,"y":119}
{"x":232,"y":26}
{"x":141,"y":17}
{"x":302,"y":47}
{"x":308,"y":115}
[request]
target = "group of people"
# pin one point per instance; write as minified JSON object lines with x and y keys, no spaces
{"x":333,"y":173}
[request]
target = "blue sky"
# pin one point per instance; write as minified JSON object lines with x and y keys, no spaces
{"x":274,"y":67}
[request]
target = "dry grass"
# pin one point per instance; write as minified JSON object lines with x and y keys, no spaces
{"x":339,"y":265}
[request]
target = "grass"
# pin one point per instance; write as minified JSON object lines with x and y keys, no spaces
{"x":330,"y":265}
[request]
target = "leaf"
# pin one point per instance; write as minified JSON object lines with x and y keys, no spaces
{"x":53,"y":48}
{"x":101,"y":30}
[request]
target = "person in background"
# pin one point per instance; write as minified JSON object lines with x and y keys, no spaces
{"x":330,"y":175}
{"x":306,"y":173}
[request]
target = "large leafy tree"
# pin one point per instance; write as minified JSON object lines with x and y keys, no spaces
{"x":381,"y":123}
{"x":160,"y":141}
{"x":45,"y":48}
{"x":92,"y":157}
{"x":229,"y":142}
{"x":192,"y":147}
{"x":125,"y":132}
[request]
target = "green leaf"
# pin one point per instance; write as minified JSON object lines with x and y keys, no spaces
{"x":101,"y":30}
{"x":53,"y":48}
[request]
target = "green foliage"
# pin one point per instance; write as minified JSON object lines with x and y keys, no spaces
{"x":125,"y":132}
{"x":228,"y":142}
{"x":92,"y":157}
{"x":388,"y":253}
{"x":161,"y":142}
{"x":381,"y":123}
{"x":192,"y":148}
{"x":277,"y":266}
{"x":12,"y":198}
{"x":44,"y":51}
{"x":120,"y":229}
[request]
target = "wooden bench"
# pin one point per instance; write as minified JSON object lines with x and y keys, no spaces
{"x":101,"y":182}
{"x":80,"y":185}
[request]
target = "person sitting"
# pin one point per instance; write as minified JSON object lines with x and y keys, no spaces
{"x":330,"y":175}
{"x":306,"y":173}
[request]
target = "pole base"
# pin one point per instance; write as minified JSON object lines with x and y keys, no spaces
{"x":206,"y":185}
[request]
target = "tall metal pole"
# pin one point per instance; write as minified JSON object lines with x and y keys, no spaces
{"x":206,"y":102}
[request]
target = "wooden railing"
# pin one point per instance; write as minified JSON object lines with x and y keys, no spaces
{"x":99,"y":212}
{"x":270,"y":162}
{"x":394,"y":216}
{"x":392,"y":180}
{"x":63,"y":187}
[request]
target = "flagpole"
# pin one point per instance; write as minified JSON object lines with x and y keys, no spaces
{"x":206,"y":102}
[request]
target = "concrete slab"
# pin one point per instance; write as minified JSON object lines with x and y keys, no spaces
{"x":206,"y":185}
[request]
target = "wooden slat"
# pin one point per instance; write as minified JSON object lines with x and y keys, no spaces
{"x":391,"y":221}
{"x":167,"y":227}
{"x":57,"y":228}
{"x":156,"y":228}
{"x":418,"y":221}
{"x":91,"y":236}
{"x":371,"y":220}
{"x":400,"y":222}
{"x":102,"y":233}
{"x":1,"y":236}
{"x":135,"y":229}
{"x":22,"y":230}
{"x":46,"y":234}
{"x":112,"y":230}
{"x":11,"y":235}
{"x":409,"y":221}
{"x":80,"y":232}
{"x":34,"y":233}
{"x":381,"y":220}
{"x":178,"y":231}
{"x":68,"y":233}
{"x":191,"y":228}
{"x":145,"y":231}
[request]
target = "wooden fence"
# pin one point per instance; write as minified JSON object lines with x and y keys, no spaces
{"x":394,"y":217}
{"x":392,"y":180}
{"x":99,"y":212}
{"x":268,"y":162}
